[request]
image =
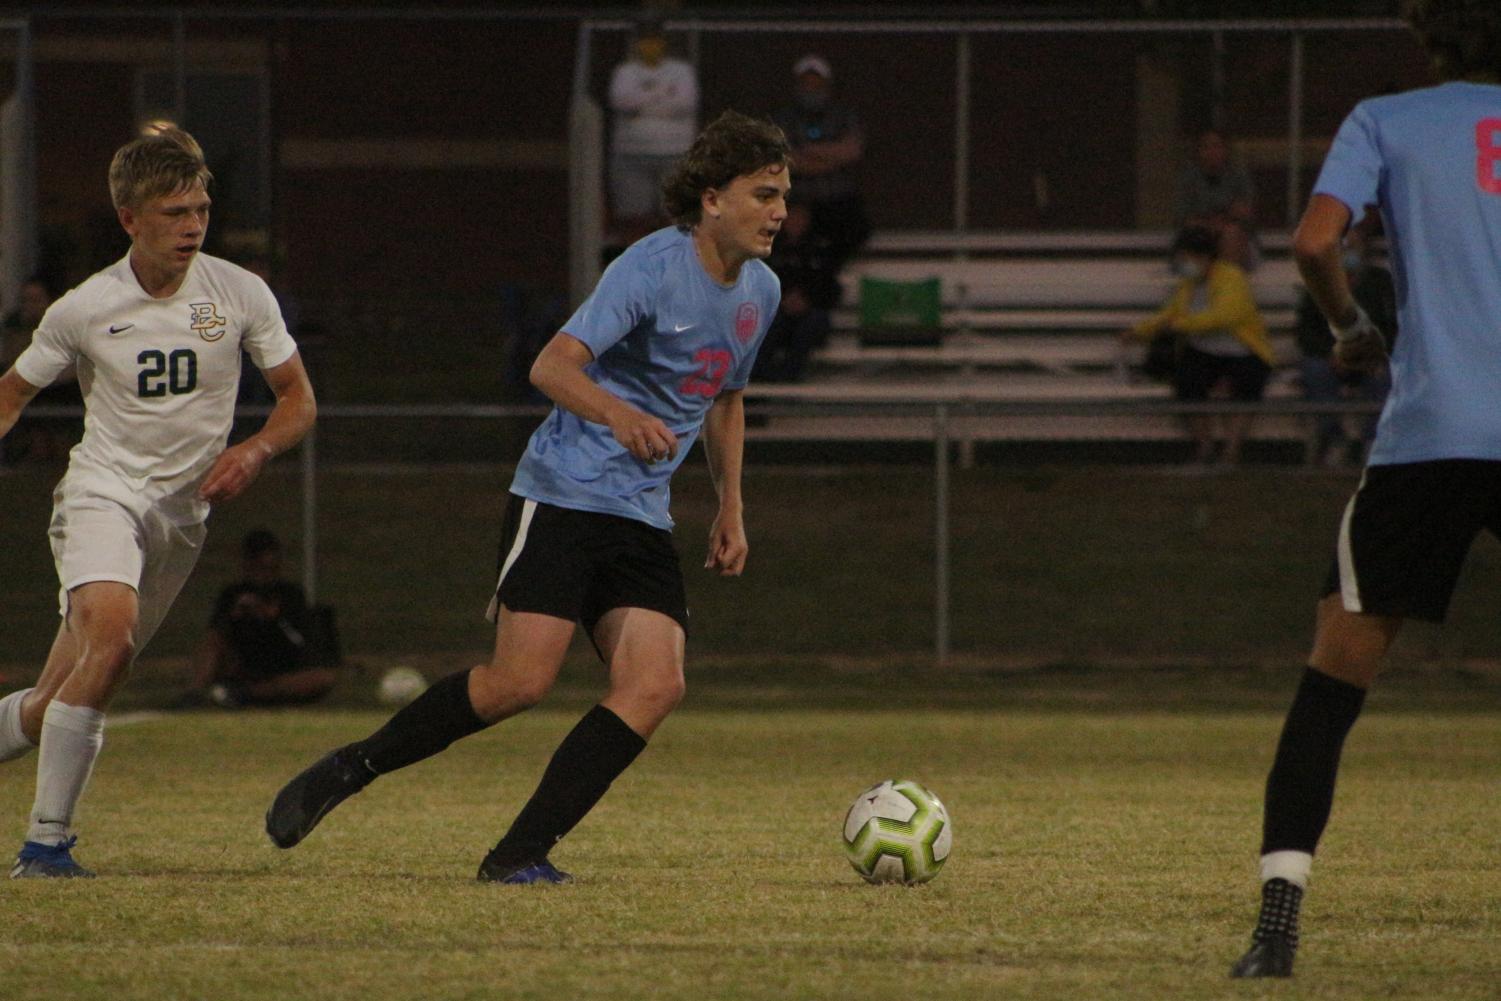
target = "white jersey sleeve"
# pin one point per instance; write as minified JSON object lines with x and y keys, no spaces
{"x":58,"y":339}
{"x":265,"y":337}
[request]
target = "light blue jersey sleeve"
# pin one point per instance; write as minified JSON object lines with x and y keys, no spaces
{"x":1352,"y":170}
{"x":625,"y":296}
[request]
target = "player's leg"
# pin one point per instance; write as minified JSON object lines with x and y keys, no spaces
{"x":21,"y":711}
{"x":102,"y":619}
{"x":644,"y":649}
{"x":1347,"y":655}
{"x":1402,"y":542}
{"x":538,"y":593}
{"x":529,"y":651}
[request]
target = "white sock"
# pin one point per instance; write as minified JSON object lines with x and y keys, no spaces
{"x":13,"y":742}
{"x":1291,"y":866}
{"x":71,"y":739}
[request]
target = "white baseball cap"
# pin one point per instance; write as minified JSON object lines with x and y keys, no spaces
{"x":813,"y":64}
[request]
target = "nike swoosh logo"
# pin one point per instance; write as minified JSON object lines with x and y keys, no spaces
{"x":679,"y":328}
{"x":124,"y":326}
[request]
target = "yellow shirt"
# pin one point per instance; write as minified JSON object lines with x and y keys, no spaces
{"x":1231,"y":309}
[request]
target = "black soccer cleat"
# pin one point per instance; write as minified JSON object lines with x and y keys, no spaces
{"x":1275,"y":940}
{"x":309,"y":797}
{"x":1271,"y":957}
{"x":494,"y":870}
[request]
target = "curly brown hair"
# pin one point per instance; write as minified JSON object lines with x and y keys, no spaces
{"x":164,"y":161}
{"x":732,"y":146}
{"x":1463,"y":37}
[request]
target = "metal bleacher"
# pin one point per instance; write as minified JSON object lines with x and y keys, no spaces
{"x":1025,"y":317}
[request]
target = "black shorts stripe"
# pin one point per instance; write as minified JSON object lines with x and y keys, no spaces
{"x":1406,"y":532}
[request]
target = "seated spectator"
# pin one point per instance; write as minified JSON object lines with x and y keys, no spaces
{"x":827,"y":146}
{"x":1223,"y":348}
{"x":40,"y":438}
{"x":809,"y":271}
{"x":1372,"y":287}
{"x":654,"y":101}
{"x":255,"y":651}
{"x":1215,"y":192}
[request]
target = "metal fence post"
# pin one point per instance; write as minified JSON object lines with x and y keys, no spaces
{"x":941,"y":535}
{"x":310,"y":514}
{"x":1294,"y":129}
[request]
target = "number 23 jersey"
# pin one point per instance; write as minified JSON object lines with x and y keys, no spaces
{"x":159,"y":377}
{"x":667,"y":339}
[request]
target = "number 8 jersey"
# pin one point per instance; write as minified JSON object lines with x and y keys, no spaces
{"x":1431,"y":159}
{"x":667,"y":339}
{"x":159,"y":377}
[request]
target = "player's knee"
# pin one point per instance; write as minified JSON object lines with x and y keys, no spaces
{"x":498,"y":693}
{"x":661,"y":693}
{"x":109,"y":655}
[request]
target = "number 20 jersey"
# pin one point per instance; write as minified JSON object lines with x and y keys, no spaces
{"x":159,"y":377}
{"x":667,"y":339}
{"x":1431,"y":159}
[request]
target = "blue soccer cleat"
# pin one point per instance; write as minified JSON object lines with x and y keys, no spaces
{"x":521,"y":875}
{"x":39,"y":861}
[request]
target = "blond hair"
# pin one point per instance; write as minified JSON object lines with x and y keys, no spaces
{"x":164,"y":161}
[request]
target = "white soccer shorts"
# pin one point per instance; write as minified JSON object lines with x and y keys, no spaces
{"x":98,"y":539}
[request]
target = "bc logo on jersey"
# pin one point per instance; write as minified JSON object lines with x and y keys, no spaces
{"x":207,"y":323}
{"x":745,"y":321}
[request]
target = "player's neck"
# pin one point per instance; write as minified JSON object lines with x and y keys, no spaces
{"x":155,"y":280}
{"x":722,"y":263}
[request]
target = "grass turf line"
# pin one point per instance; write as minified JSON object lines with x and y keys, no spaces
{"x":1098,"y":856}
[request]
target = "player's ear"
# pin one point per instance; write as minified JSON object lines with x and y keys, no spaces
{"x":127,"y":218}
{"x":709,"y":203}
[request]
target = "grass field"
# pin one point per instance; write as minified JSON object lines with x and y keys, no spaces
{"x":1097,"y":855}
{"x":1126,"y":642}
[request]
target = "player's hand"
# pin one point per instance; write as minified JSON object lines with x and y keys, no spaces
{"x":727,"y":546}
{"x":234,"y":470}
{"x":1358,"y":346}
{"x":644,"y":436}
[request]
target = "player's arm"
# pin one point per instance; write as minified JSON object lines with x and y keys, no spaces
{"x":1316,"y":245}
{"x":559,"y":373}
{"x":724,"y":445}
{"x":291,"y":418}
{"x":15,"y":393}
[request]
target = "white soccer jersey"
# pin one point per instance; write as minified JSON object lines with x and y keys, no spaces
{"x":159,"y":377}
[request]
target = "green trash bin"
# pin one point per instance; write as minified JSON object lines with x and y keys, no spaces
{"x":900,"y":312}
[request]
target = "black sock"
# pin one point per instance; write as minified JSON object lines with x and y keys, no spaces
{"x":592,"y":756}
{"x":1300,"y":789}
{"x":435,"y":719}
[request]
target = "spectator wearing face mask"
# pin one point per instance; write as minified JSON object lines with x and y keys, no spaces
{"x":1223,"y":350}
{"x":827,"y":146}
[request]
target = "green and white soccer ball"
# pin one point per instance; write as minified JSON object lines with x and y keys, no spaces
{"x":400,"y":685}
{"x":898,"y":832}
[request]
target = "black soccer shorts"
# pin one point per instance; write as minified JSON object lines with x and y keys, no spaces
{"x":1405,"y":534}
{"x":579,"y":565}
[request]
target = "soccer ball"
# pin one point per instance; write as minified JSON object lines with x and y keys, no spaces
{"x":897,"y":832}
{"x":400,"y":685}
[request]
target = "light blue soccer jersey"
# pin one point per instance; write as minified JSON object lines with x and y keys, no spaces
{"x":667,"y":339}
{"x":1431,"y":159}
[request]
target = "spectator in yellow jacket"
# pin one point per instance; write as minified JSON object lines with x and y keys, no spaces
{"x":1222,"y":345}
